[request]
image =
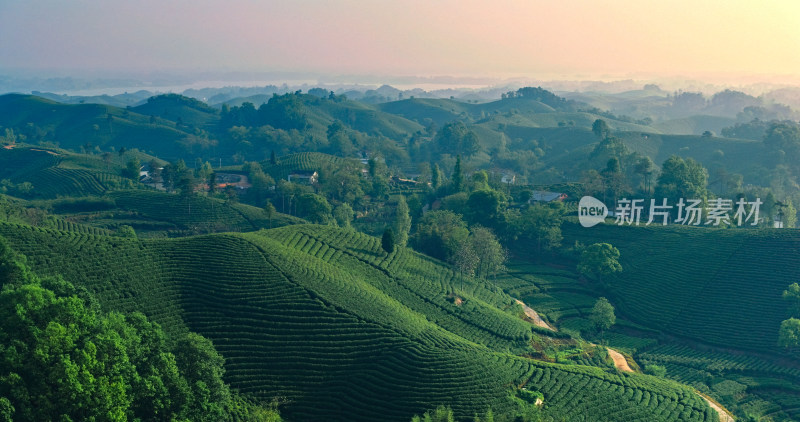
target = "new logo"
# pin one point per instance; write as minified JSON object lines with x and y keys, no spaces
{"x":591,"y":211}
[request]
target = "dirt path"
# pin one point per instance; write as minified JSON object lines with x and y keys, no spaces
{"x":619,"y":360}
{"x":724,"y":415}
{"x":534,"y":317}
{"x":622,"y":364}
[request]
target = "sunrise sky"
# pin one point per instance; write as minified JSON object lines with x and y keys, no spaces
{"x":544,"y":39}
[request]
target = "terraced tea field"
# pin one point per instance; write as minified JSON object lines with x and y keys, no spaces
{"x":325,"y":319}
{"x":714,"y":285}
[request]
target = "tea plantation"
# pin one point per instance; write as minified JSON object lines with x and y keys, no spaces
{"x":324,"y":320}
{"x":719,"y":286}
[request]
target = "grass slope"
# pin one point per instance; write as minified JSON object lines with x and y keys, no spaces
{"x":323,"y":318}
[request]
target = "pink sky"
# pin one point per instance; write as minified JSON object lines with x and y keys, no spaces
{"x":566,"y":38}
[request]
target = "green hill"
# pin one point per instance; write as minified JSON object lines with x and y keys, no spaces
{"x":155,"y":213}
{"x":714,"y":285}
{"x":704,"y":305}
{"x":75,"y":125}
{"x":304,"y":161}
{"x":174,"y":107}
{"x":322,"y":318}
{"x":55,"y":173}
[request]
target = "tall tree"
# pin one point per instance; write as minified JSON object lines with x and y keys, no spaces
{"x":465,"y":260}
{"x":343,"y":213}
{"x":600,"y":129}
{"x":387,"y":241}
{"x":269,"y":209}
{"x":789,"y":333}
{"x":491,"y":255}
{"x":436,"y":176}
{"x":602,"y":315}
{"x":457,"y":181}
{"x":402,"y":221}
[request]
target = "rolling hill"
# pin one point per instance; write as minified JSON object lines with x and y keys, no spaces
{"x":322,"y":318}
{"x":72,"y":126}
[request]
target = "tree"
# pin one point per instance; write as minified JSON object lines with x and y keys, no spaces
{"x":789,"y":333}
{"x":457,"y":138}
{"x":440,"y":414}
{"x":269,"y":209}
{"x":792,"y":294}
{"x":457,"y":181}
{"x":598,"y":260}
{"x":440,"y":234}
{"x":343,"y":214}
{"x":436,"y":176}
{"x":205,"y":172}
{"x":602,"y":315}
{"x":600,"y":129}
{"x":789,"y":214}
{"x":485,"y":207}
{"x":645,"y":167}
{"x":202,"y":366}
{"x":491,"y":255}
{"x":314,"y":208}
{"x":388,"y":241}
{"x":131,"y":170}
{"x":126,"y":231}
{"x":402,"y":221}
{"x":784,"y":137}
{"x":465,"y":260}
{"x":681,"y":178}
{"x":542,"y":224}
{"x":64,"y":359}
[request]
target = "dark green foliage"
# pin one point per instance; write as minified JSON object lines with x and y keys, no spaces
{"x":656,"y":370}
{"x":388,"y":241}
{"x":439,"y":234}
{"x":681,"y":178}
{"x":789,"y":333}
{"x":440,"y":414}
{"x":314,"y":208}
{"x":131,"y":170}
{"x":599,"y":259}
{"x":402,"y":221}
{"x":63,"y":360}
{"x":457,"y":179}
{"x":600,"y":129}
{"x":457,"y":138}
{"x":792,"y":295}
{"x":602,"y":315}
{"x":485,"y":207}
{"x":539,"y":223}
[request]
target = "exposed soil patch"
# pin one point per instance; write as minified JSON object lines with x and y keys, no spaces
{"x":534,"y":317}
{"x":619,"y":360}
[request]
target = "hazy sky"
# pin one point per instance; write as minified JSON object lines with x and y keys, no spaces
{"x":531,"y":38}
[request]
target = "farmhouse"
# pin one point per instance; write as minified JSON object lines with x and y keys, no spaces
{"x":546,"y":196}
{"x":307,"y":177}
